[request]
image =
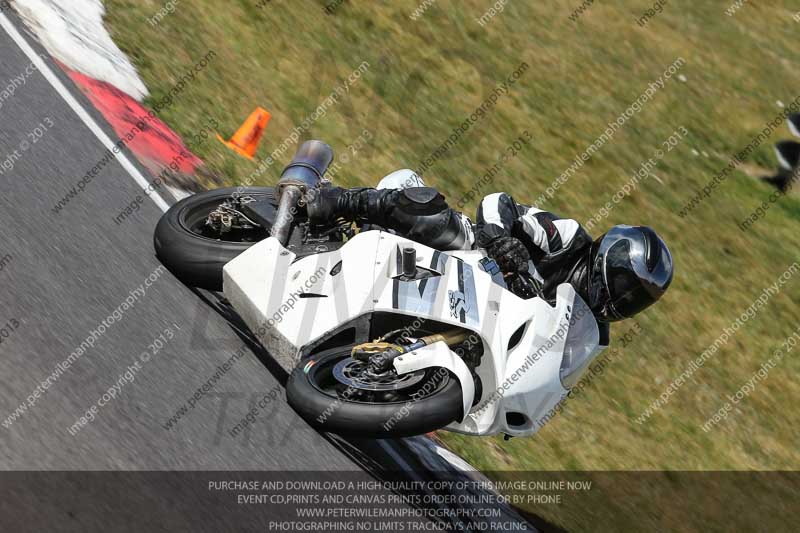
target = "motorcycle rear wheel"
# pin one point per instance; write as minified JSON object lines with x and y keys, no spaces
{"x":186,"y":248}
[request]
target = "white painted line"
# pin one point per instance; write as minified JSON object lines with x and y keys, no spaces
{"x":79,"y":110}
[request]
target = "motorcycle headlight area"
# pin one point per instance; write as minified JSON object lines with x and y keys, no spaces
{"x":581,"y":344}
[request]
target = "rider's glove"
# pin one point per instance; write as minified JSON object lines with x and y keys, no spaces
{"x":510,"y":254}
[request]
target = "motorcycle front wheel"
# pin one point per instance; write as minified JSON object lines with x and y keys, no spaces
{"x":336,"y":393}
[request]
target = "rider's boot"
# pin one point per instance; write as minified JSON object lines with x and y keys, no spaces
{"x":327,"y":204}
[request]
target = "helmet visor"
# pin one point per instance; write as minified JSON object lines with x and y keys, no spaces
{"x":628,"y":293}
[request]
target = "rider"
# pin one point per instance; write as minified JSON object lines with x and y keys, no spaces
{"x":618,"y":274}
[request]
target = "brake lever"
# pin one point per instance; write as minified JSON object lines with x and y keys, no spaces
{"x":524,"y":285}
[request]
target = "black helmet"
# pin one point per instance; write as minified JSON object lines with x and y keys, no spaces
{"x":630,"y":267}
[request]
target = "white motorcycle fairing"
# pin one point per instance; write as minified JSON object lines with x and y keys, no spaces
{"x":293,"y":305}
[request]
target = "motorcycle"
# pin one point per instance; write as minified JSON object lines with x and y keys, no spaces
{"x":387,"y":337}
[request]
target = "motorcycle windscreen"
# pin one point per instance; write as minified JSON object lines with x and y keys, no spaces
{"x":580,"y":346}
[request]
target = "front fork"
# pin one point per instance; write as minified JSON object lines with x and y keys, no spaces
{"x":381,"y":355}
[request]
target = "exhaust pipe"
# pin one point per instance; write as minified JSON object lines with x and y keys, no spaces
{"x":304,"y":172}
{"x":307,"y":167}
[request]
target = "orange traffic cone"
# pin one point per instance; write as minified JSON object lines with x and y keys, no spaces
{"x":245,"y":141}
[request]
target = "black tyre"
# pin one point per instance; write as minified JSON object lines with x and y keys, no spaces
{"x":331,"y":391}
{"x":186,"y":247}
